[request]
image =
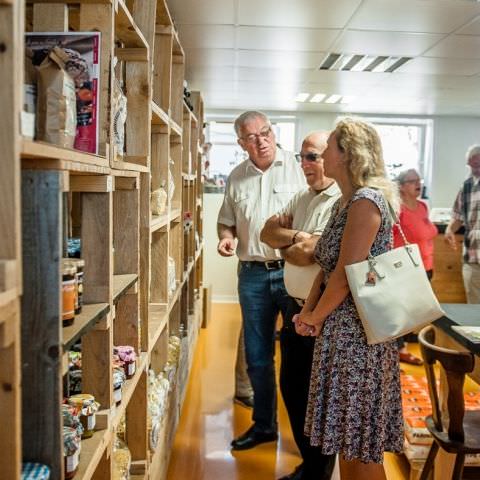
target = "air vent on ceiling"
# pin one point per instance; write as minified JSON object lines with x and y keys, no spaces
{"x":362,"y":63}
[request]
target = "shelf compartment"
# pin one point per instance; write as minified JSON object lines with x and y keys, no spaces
{"x":126,"y":29}
{"x":159,"y":117}
{"x":128,"y":390}
{"x":48,"y":156}
{"x":158,"y":320}
{"x":121,"y":283}
{"x":89,"y":316}
{"x":91,"y":454}
{"x":159,"y":222}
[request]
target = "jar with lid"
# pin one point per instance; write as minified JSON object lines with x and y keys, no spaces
{"x":127,"y":355}
{"x":68,"y":292}
{"x":71,"y":451}
{"x":35,"y":471}
{"x":118,"y":381}
{"x":71,"y":418}
{"x":79,"y":265}
{"x":87,"y":407}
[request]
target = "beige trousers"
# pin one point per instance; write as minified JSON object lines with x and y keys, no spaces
{"x":471,"y":281}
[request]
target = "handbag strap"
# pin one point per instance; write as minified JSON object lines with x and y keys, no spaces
{"x":396,"y":221}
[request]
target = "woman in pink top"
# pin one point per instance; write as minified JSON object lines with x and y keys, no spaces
{"x":417,"y":229}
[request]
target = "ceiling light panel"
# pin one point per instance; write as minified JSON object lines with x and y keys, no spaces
{"x":318,"y":97}
{"x":333,"y":98}
{"x":302,"y":97}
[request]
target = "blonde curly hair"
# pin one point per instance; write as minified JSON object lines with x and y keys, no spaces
{"x":363,"y":150}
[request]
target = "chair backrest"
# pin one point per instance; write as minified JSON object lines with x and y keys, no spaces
{"x":456,"y":364}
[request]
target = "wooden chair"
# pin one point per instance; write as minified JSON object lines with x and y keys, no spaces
{"x":463,"y":434}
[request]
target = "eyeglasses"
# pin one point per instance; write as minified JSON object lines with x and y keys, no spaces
{"x":417,"y":180}
{"x":253,"y":137}
{"x":308,"y":157}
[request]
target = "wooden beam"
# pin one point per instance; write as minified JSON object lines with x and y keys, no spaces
{"x":41,"y":319}
{"x":50,"y":17}
{"x":132,"y":54}
{"x":91,"y":183}
{"x":8,"y":275}
{"x":126,"y":183}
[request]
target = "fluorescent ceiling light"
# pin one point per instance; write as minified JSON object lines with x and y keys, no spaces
{"x":343,"y":60}
{"x":347,"y":99}
{"x":333,"y":98}
{"x":318,"y":97}
{"x":302,"y":97}
{"x":363,"y":63}
{"x":387,"y":63}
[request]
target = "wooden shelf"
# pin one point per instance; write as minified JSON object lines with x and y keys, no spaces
{"x":176,"y":129}
{"x":48,"y":156}
{"x":157,"y":322}
{"x":128,"y":389}
{"x":175,"y":215}
{"x":89,"y":316}
{"x":125,"y":164}
{"x":158,"y":222}
{"x":159,"y":117}
{"x":126,"y":29}
{"x":121,"y":283}
{"x":91,"y":453}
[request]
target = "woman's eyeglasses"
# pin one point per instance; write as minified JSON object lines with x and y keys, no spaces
{"x":308,"y":157}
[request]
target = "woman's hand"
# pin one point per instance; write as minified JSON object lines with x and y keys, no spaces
{"x":306,"y":325}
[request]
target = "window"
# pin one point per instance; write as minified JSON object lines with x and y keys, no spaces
{"x":406,"y":144}
{"x":225,"y":153}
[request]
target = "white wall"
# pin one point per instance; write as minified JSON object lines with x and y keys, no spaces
{"x":218,"y":271}
{"x":451,"y":138}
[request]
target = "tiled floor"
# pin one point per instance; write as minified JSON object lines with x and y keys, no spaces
{"x":210,"y":420}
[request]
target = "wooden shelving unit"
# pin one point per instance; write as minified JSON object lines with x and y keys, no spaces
{"x":105,"y":201}
{"x":11,"y":74}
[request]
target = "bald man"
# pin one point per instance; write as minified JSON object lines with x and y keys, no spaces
{"x":295,"y":231}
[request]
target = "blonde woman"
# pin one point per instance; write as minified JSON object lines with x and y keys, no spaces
{"x":354,"y":406}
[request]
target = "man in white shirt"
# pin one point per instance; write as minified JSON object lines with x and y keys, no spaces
{"x":303,"y":220}
{"x":256,"y":189}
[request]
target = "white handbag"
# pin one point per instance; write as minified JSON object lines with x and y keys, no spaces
{"x":392,"y":293}
{"x":298,"y":280}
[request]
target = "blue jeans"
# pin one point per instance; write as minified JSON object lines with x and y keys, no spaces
{"x":262,"y":296}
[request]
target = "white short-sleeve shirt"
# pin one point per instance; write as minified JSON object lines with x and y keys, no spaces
{"x":253,"y":196}
{"x":310,"y":210}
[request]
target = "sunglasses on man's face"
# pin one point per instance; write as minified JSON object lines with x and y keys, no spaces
{"x":307,"y":157}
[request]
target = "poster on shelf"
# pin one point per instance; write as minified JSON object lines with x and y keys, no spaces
{"x":83,"y":49}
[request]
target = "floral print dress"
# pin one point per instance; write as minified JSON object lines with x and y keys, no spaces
{"x":354,"y":406}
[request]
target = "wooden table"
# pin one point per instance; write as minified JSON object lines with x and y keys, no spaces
{"x":463,"y":315}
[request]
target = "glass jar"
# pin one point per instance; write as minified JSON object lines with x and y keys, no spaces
{"x":87,"y":407}
{"x":80,"y":265}
{"x":118,"y":381}
{"x":71,"y":418}
{"x":68,"y":292}
{"x":71,"y":451}
{"x":35,"y":471}
{"x":127,"y":355}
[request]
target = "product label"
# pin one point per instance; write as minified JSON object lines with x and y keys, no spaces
{"x":72,"y":461}
{"x":91,"y":422}
{"x":117,"y":394}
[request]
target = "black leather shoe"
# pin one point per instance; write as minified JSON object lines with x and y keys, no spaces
{"x":295,"y":475}
{"x":246,"y":402}
{"x":252,"y":438}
